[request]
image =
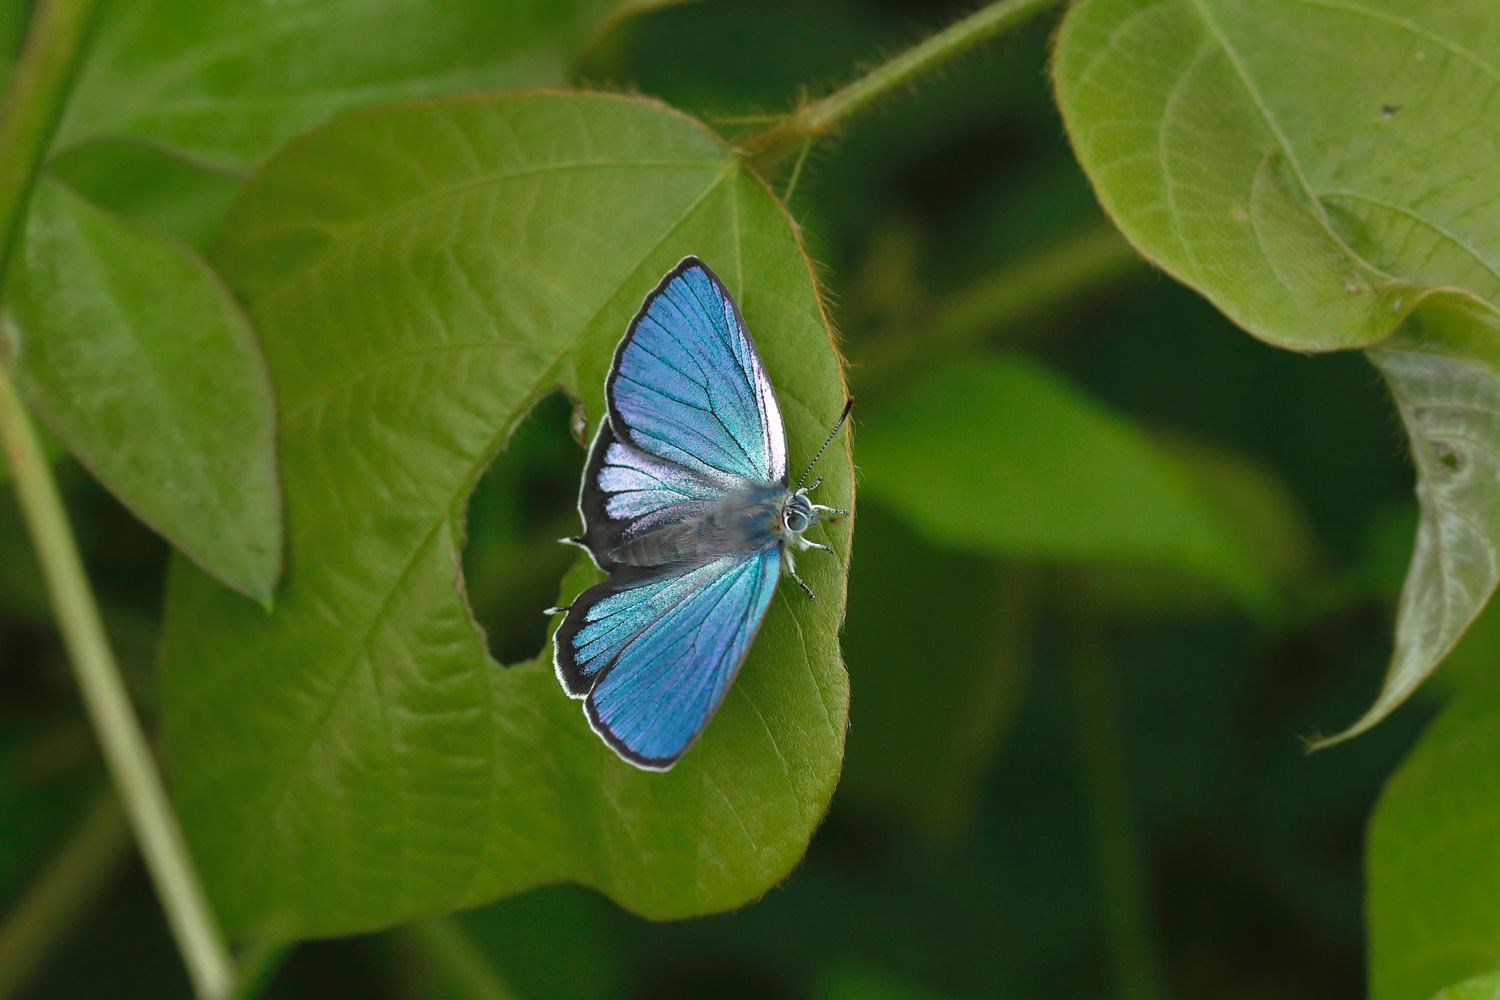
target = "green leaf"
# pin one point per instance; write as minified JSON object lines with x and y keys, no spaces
{"x":1312,"y":224}
{"x":1448,"y":391}
{"x":136,"y":357}
{"x":1004,"y":457}
{"x":1431,"y":852}
{"x":1253,"y":508}
{"x":420,"y":276}
{"x":227,"y":82}
{"x":1485,"y":987}
{"x":1320,"y":224}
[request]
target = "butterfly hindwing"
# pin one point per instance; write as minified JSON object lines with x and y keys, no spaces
{"x":653,"y":652}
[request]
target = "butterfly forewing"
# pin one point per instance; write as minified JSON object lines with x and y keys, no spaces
{"x":688,"y":385}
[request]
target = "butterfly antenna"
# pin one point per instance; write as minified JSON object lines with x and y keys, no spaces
{"x":827,"y":441}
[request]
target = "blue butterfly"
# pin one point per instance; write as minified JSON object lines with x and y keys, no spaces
{"x":686,"y":503}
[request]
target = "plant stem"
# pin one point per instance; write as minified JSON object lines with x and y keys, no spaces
{"x":1064,"y":272}
{"x":1127,"y":913}
{"x":33,"y":104}
{"x":821,"y":117}
{"x":445,"y":947}
{"x":59,"y":894}
{"x":33,"y":107}
{"x":119,"y":730}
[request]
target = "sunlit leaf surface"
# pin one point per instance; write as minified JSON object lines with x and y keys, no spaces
{"x":420,"y":277}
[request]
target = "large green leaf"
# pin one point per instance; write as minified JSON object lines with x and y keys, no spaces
{"x":1324,"y":223}
{"x":419,"y":277}
{"x":1433,"y":841}
{"x":138,"y":359}
{"x":1002,"y":456}
{"x":227,"y":81}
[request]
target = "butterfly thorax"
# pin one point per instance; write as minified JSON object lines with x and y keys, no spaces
{"x":749,"y":519}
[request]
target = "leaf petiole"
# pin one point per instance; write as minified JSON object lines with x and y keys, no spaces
{"x":818,"y":118}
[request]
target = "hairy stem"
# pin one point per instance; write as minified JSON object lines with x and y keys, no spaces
{"x":1053,"y":277}
{"x":33,"y":106}
{"x":59,"y":895}
{"x":1122,"y":883}
{"x":444,"y":949}
{"x":821,"y":117}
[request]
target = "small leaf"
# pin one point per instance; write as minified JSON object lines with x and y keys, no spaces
{"x":1430,"y":860}
{"x":420,"y":276}
{"x":1002,"y":456}
{"x":137,"y":358}
{"x":1322,"y":224}
{"x":226,"y":82}
{"x":1449,"y":400}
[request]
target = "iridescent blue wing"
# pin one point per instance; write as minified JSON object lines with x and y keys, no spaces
{"x":653,"y":653}
{"x":691,"y":414}
{"x":687,"y":384}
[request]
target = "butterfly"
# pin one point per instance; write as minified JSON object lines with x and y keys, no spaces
{"x":687,"y":505}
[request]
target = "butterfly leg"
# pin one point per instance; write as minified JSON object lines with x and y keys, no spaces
{"x":810,"y":595}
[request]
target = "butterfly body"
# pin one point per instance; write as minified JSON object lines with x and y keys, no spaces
{"x":687,"y":505}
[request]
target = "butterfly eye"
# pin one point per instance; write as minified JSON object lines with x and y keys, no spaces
{"x":798,"y":514}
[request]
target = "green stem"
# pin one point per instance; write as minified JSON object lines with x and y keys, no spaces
{"x":1127,"y":913}
{"x":60,"y":893}
{"x":33,"y":104}
{"x":33,"y":107}
{"x":442,"y":946}
{"x":821,"y":117}
{"x":1062,"y":273}
{"x":119,"y":730}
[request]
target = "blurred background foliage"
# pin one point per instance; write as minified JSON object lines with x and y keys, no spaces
{"x":1062,"y":718}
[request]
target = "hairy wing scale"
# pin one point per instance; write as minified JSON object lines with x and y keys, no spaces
{"x":645,"y":489}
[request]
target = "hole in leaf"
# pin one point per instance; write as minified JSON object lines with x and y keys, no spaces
{"x":525,"y":501}
{"x":1447,"y":458}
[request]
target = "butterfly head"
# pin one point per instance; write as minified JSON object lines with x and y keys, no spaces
{"x":798,"y":514}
